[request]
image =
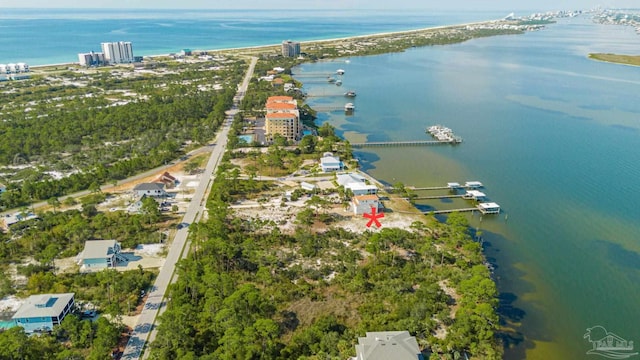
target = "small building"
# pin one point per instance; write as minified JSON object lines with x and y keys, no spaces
{"x":42,"y":312}
{"x":473,"y":184}
{"x":489,"y":208}
{"x":3,"y":188}
{"x":150,"y":189}
{"x":362,"y":204}
{"x":474,"y":195}
{"x":185,"y":52}
{"x":453,"y":185}
{"x":386,"y":345}
{"x":277,"y":82}
{"x":329,"y":163}
{"x":99,"y":254}
{"x":308,"y":186}
{"x":167,"y":179}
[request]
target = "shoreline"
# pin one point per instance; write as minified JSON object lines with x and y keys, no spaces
{"x":308,"y":42}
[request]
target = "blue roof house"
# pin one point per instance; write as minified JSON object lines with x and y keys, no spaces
{"x":42,"y":312}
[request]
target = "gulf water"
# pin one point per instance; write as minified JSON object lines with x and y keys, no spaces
{"x":555,"y":139}
{"x":50,"y":36}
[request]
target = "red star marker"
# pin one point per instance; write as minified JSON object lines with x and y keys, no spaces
{"x":373,"y":217}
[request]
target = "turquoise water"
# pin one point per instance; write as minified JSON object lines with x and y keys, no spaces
{"x":7,"y":324}
{"x":553,"y":136}
{"x":247,"y":138}
{"x":49,"y":36}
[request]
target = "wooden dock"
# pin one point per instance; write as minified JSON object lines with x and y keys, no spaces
{"x":439,"y":197}
{"x":399,"y":143}
{"x":450,"y":211}
{"x":328,"y":109}
{"x":428,"y":188}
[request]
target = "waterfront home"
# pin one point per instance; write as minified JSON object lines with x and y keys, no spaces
{"x":42,"y":312}
{"x":384,"y":345}
{"x":149,"y":189}
{"x":99,"y":254}
{"x":356,"y":183}
{"x":329,"y":163}
{"x":362,"y":204}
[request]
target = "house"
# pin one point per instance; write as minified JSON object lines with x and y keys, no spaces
{"x":308,"y":186}
{"x":385,"y":345}
{"x":277,"y":82}
{"x":149,"y":189}
{"x":11,"y":219}
{"x":167,"y":179}
{"x":42,"y":312}
{"x":356,"y":183}
{"x":329,"y":163}
{"x":99,"y":254}
{"x":362,"y":204}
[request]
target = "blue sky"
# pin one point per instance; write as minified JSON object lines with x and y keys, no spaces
{"x":510,"y":5}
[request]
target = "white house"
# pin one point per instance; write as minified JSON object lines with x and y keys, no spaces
{"x":99,"y":254}
{"x":329,"y":163}
{"x":308,"y":186}
{"x":385,"y":345}
{"x":362,"y":204}
{"x":150,"y":189}
{"x":356,"y":183}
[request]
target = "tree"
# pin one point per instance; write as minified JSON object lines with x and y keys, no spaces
{"x":308,"y":144}
{"x":54,"y":202}
{"x":150,"y":209}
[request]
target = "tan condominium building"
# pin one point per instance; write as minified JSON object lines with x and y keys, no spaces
{"x":282,"y":118}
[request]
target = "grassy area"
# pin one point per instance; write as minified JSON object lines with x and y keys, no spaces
{"x":616,"y":58}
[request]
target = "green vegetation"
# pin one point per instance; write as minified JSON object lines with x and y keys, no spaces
{"x":97,"y":126}
{"x":616,"y":58}
{"x":73,"y":340}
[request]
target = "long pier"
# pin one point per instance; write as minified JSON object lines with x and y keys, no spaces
{"x":439,"y":197}
{"x":328,"y":109}
{"x":399,"y":143}
{"x":450,"y":211}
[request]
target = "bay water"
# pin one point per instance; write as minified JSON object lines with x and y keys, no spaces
{"x":555,"y":139}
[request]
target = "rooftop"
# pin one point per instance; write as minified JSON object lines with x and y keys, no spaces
{"x":43,"y":305}
{"x":149,"y":187}
{"x":94,"y":249}
{"x":396,"y":345}
{"x":281,"y":106}
{"x":281,"y":116}
{"x":279,"y":98}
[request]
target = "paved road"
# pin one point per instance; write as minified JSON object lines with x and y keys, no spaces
{"x":156,"y":303}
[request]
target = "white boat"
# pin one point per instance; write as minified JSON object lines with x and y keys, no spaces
{"x":350,"y":93}
{"x":349,"y":107}
{"x":339,"y":82}
{"x":340,"y":72}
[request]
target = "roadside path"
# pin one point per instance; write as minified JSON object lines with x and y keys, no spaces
{"x":144,"y":332}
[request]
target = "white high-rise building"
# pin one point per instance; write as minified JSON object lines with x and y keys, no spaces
{"x":91,"y":59}
{"x":117,"y":52}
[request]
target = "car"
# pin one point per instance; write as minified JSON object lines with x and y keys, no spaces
{"x":89,"y":313}
{"x":182,"y":225}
